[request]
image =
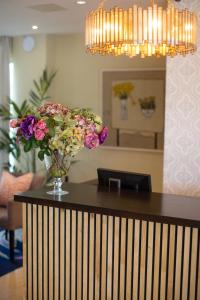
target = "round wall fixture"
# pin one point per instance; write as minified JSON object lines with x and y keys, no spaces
{"x":28,"y":43}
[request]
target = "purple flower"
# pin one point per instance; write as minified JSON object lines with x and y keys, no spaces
{"x":27,"y":126}
{"x":91,"y":141}
{"x":103,"y":135}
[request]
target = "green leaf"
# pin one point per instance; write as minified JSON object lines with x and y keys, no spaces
{"x":35,"y":103}
{"x":58,"y":119}
{"x":34,"y":96}
{"x":34,"y":144}
{"x":52,"y":75}
{"x":5,"y":112}
{"x":47,"y":152}
{"x":6,"y":135}
{"x":45,"y":77}
{"x":41,"y":155}
{"x":41,"y":87}
{"x":28,"y":146}
{"x":36,"y":85}
{"x":52,"y":131}
{"x":16,"y":108}
{"x":24,"y":108}
{"x":50,"y":122}
{"x":24,"y":103}
{"x":42,"y":146}
{"x":2,"y":145}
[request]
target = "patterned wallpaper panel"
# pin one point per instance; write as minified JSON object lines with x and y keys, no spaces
{"x":182,"y":120}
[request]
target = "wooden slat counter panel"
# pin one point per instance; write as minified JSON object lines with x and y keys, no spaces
{"x":77,"y":255}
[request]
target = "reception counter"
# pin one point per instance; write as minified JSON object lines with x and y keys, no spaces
{"x":98,"y":244}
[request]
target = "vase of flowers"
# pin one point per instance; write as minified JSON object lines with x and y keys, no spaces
{"x":148,"y":105}
{"x":123,"y":91}
{"x":59,"y":133}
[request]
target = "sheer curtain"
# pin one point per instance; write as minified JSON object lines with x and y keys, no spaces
{"x":4,"y":83}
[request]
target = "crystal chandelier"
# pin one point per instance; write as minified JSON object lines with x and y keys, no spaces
{"x":141,"y":31}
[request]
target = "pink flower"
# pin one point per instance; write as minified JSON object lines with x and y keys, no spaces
{"x":41,"y":124}
{"x":46,"y":130}
{"x":80,"y":120}
{"x":52,"y":109}
{"x":39,"y":135}
{"x":90,"y":127}
{"x":13,"y":123}
{"x":40,"y":130}
{"x":91,"y":141}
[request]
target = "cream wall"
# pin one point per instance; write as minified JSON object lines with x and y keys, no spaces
{"x":182,"y":125}
{"x":128,"y":160}
{"x":78,"y":83}
{"x":28,"y":65}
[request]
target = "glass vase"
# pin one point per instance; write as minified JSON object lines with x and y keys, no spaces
{"x":57,"y":166}
{"x":124,"y":108}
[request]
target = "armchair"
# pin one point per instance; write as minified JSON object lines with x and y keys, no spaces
{"x":10,"y":220}
{"x":11,"y":212}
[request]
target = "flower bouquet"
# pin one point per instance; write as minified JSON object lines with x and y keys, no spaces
{"x":123,"y":90}
{"x":147,"y":105}
{"x":59,"y":133}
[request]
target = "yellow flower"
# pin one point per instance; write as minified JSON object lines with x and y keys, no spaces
{"x":78,"y":133}
{"x":123,"y":90}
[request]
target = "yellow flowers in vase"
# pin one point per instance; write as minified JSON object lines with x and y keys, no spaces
{"x":123,"y":90}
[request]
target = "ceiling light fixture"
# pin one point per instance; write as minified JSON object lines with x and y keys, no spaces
{"x":35,"y":27}
{"x":147,"y":31}
{"x":81,"y":2}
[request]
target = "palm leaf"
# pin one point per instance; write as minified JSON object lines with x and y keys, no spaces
{"x":45,"y":76}
{"x":16,"y":108}
{"x":52,"y":75}
{"x":4,"y":112}
{"x":36,"y":85}
{"x":6,"y":134}
{"x":39,"y":95}
{"x":24,"y":107}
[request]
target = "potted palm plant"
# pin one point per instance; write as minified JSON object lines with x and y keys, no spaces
{"x":12,"y":111}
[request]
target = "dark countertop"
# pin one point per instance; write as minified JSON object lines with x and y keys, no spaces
{"x":164,"y":208}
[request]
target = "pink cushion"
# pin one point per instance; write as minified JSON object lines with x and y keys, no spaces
{"x":10,"y":185}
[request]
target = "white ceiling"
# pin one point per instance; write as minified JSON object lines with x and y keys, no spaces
{"x":17,"y":18}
